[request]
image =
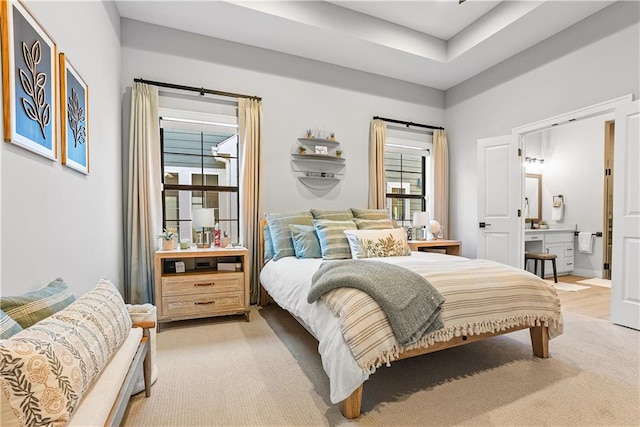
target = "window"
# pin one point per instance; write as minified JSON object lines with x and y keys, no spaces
{"x":408,"y":173}
{"x":199,"y":170}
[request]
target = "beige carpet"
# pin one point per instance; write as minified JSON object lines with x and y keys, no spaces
{"x":227,"y":372}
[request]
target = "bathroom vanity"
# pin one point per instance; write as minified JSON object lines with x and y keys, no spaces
{"x":558,"y":241}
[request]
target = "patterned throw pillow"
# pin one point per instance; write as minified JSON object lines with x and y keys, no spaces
{"x":47,"y":368}
{"x":333,"y":242}
{"x":373,"y":224}
{"x":371,"y":213}
{"x":8,"y":326}
{"x":280,"y":233}
{"x":32,"y":307}
{"x":378,"y":243}
{"x":305,"y":241}
{"x":337,"y":215}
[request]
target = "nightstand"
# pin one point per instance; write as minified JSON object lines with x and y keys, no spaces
{"x":194,"y":283}
{"x":451,"y":247}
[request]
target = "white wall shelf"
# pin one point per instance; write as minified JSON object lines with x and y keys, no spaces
{"x":315,"y":170}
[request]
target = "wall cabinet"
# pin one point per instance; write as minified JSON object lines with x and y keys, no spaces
{"x":196,"y":283}
{"x":321,"y":165}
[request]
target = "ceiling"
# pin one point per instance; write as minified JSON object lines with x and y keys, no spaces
{"x":437,"y":43}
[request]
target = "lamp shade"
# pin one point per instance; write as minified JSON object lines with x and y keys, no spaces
{"x":203,"y":218}
{"x":420,"y":219}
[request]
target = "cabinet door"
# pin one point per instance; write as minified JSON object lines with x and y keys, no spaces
{"x":558,"y":250}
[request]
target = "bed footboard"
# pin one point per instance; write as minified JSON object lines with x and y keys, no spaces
{"x":351,"y":406}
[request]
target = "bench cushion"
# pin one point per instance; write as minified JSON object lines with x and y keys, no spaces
{"x":98,"y":400}
{"x":46,"y":369}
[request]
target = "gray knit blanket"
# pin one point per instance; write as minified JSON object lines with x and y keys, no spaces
{"x":410,"y":302}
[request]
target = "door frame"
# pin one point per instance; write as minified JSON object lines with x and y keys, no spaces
{"x":548,"y":123}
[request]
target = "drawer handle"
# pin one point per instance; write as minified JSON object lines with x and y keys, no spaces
{"x":533,"y":238}
{"x":569,"y":249}
{"x":204,"y":284}
{"x":203,"y":303}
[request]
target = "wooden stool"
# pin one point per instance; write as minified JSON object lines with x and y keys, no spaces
{"x":535,"y":256}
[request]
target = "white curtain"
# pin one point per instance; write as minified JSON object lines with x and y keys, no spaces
{"x":377,"y":190}
{"x":441,"y":180}
{"x":250,"y":133}
{"x":143,"y":205}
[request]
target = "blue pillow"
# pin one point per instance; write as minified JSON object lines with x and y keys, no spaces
{"x":280,"y":234}
{"x":305,"y":241}
{"x":268,"y":244}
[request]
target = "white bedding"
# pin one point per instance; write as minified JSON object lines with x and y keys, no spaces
{"x":288,"y":281}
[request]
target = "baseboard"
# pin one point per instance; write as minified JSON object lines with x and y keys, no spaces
{"x":587,"y":273}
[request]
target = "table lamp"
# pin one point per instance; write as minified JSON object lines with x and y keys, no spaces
{"x":203,"y":218}
{"x":421,"y":219}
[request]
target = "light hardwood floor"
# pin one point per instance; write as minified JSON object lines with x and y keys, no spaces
{"x":592,"y":302}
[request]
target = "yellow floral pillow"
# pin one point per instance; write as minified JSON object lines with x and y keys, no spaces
{"x":377,"y":243}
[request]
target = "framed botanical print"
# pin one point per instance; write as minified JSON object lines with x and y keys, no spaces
{"x":74,"y":117}
{"x":28,"y":81}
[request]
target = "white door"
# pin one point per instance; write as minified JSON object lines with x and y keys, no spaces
{"x":500,"y":181}
{"x":625,"y":274}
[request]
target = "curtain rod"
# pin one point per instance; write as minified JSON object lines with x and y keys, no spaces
{"x":407,"y":123}
{"x":200,"y":90}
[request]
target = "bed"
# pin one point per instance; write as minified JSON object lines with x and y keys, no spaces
{"x":483,"y":299}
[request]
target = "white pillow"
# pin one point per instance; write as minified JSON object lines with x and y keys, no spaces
{"x":377,"y":243}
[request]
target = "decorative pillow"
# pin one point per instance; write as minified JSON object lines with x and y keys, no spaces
{"x":377,"y":243}
{"x":333,"y":242}
{"x":371,"y":213}
{"x":32,"y":307}
{"x":8,"y":326}
{"x":47,"y":368}
{"x":268,"y":244}
{"x":305,"y":241}
{"x":280,"y":233}
{"x":339,"y":215}
{"x":373,"y":224}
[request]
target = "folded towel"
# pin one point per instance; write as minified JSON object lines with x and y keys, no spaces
{"x":557,"y":213}
{"x":585,"y":242}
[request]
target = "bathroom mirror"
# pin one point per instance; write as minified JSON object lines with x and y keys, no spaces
{"x":533,"y":197}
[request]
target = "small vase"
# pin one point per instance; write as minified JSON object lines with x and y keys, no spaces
{"x":167,"y":245}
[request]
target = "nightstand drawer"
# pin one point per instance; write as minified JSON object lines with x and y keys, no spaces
{"x":202,"y":283}
{"x":204,"y":304}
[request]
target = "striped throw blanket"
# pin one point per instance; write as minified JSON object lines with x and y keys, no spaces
{"x":410,"y":303}
{"x":480,"y":297}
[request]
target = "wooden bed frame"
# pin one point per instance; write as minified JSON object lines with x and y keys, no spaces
{"x":351,"y":406}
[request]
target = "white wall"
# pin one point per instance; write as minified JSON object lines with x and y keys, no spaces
{"x":55,"y":221}
{"x":297,"y":94}
{"x":593,"y":61}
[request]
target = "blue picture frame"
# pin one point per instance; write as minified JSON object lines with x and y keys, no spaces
{"x":74,"y":117}
{"x":29,"y":58}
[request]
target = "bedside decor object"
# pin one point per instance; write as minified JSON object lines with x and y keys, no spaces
{"x":203,"y":219}
{"x":421,"y":219}
{"x":309,"y":133}
{"x":29,"y":59}
{"x":332,"y":136}
{"x":435,"y":229}
{"x":302,"y":149}
{"x":338,"y":153}
{"x":168,"y":239}
{"x":74,"y":114}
